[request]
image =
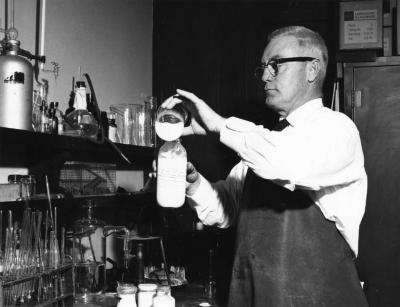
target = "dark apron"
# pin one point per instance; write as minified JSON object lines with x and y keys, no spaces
{"x":288,"y":254}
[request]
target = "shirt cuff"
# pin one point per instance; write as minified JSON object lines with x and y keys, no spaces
{"x":199,"y":196}
{"x":209,"y":211}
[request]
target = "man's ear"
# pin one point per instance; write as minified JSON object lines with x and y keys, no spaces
{"x":313,"y":70}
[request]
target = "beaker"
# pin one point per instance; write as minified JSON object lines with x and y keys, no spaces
{"x":89,"y":279}
{"x":135,"y":123}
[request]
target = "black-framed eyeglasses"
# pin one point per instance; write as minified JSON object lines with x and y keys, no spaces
{"x":273,"y":65}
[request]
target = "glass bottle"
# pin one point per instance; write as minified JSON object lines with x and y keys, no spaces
{"x":44,"y":119}
{"x":112,"y":128}
{"x":127,"y":295}
{"x":81,"y":122}
{"x":60,"y":118}
{"x":163,"y":297}
{"x":146,"y":294}
{"x":171,"y":174}
{"x":53,"y":120}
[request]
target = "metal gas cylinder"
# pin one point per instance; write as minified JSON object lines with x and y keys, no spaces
{"x":16,"y":88}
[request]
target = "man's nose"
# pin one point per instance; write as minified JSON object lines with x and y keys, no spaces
{"x":266,"y":76}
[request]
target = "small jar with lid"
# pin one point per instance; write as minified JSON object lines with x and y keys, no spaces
{"x":127,"y":294}
{"x":28,"y":186}
{"x":15,"y":179}
{"x":163,"y":297}
{"x":146,"y":294}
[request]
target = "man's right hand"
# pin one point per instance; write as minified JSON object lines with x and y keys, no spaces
{"x":192,"y":179}
{"x":204,"y":119}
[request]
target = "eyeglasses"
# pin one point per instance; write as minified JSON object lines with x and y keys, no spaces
{"x":273,"y":65}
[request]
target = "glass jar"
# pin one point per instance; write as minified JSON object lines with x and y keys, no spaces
{"x":146,"y":294}
{"x":127,"y":295}
{"x":15,"y":179}
{"x":28,"y":186}
{"x":163,"y":297}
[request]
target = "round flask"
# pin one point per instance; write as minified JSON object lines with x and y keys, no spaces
{"x":170,"y":122}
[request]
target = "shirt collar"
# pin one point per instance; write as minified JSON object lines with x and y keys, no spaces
{"x":302,"y":112}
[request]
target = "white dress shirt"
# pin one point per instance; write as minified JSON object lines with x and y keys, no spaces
{"x":319,"y":153}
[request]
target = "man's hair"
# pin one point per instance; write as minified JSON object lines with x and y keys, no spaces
{"x":308,"y":40}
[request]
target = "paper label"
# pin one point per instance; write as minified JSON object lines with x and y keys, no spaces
{"x":361,"y":26}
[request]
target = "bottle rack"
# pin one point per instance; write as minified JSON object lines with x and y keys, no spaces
{"x":50,"y":287}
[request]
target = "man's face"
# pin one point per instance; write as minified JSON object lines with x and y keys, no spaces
{"x":288,"y":89}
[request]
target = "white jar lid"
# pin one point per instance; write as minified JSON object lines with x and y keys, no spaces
{"x":147,"y":287}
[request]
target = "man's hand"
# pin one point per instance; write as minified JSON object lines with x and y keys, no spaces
{"x":192,"y":179}
{"x":204,"y":119}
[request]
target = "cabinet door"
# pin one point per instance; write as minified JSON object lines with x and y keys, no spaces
{"x":376,"y":112}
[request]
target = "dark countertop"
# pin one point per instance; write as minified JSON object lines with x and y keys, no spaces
{"x":191,"y":295}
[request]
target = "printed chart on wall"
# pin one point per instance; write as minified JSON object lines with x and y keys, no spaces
{"x":361,"y":25}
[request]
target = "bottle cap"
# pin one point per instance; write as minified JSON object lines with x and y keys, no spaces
{"x":164,"y":289}
{"x":29,"y":178}
{"x":124,"y":288}
{"x":80,"y":84}
{"x":147,"y":287}
{"x":14,"y":178}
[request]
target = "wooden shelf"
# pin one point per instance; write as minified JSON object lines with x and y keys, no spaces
{"x":20,"y":148}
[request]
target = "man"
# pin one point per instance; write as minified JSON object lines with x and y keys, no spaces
{"x":297,"y":195}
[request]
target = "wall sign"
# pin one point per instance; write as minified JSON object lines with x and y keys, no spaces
{"x":361,"y":25}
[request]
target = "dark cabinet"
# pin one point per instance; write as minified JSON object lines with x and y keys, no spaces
{"x":372,"y":100}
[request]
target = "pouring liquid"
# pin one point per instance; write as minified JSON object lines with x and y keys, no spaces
{"x":169,"y":128}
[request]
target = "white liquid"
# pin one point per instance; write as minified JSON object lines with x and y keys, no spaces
{"x":171,"y":180}
{"x":169,"y":131}
{"x":127,"y":300}
{"x":163,"y":301}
